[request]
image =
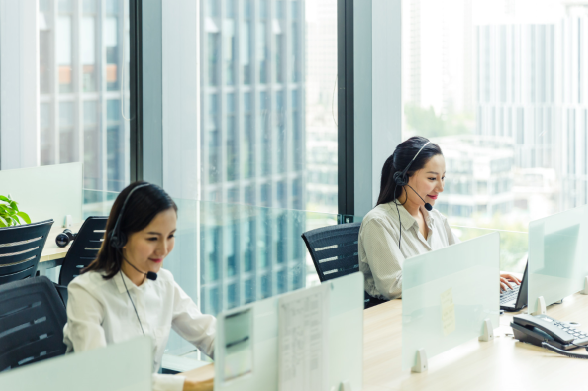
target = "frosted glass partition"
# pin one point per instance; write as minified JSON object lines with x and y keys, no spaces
{"x":447,"y":294}
{"x":514,"y":245}
{"x":46,"y":192}
{"x":256,"y":367}
{"x":558,"y":246}
{"x":122,"y":367}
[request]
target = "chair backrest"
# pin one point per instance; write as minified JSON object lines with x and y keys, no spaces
{"x":32,"y":317}
{"x":20,"y":250}
{"x":83,"y":249}
{"x":333,"y":250}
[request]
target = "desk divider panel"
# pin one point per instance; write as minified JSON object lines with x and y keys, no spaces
{"x":127,"y":366}
{"x":558,"y":245}
{"x":261,"y":320}
{"x":46,"y":192}
{"x":446,"y":296}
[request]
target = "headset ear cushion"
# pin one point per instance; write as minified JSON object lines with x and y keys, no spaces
{"x":122,"y":240}
{"x":399,"y":178}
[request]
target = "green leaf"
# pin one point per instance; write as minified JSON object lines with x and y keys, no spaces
{"x":13,"y":206}
{"x":16,"y":219}
{"x":25,"y":217}
{"x":2,"y":223}
{"x":2,"y":198}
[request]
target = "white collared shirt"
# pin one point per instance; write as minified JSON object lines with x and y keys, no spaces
{"x":380,"y":259}
{"x":100,"y":313}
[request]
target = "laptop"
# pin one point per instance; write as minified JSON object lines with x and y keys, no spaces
{"x":515,"y":299}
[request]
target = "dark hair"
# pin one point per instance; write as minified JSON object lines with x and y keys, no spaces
{"x":141,"y":208}
{"x":399,"y":160}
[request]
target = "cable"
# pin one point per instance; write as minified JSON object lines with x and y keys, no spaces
{"x":123,"y":279}
{"x":563,"y":352}
{"x":398,"y":211}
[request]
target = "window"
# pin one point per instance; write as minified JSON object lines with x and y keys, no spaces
{"x":77,"y":91}
{"x":267,"y":119}
{"x":496,"y":86}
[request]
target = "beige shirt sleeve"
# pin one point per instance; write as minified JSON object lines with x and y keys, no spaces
{"x":384,"y":257}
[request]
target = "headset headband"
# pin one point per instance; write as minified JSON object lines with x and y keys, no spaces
{"x":114,"y":234}
{"x":415,"y":156}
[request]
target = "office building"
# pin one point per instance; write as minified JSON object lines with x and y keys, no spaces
{"x":81,"y":92}
{"x":253,"y":89}
{"x":479,"y":180}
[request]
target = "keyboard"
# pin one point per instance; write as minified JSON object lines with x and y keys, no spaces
{"x":510,"y":294}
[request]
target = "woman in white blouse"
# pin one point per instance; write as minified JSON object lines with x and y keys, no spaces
{"x":124,"y":292}
{"x":403,"y":223}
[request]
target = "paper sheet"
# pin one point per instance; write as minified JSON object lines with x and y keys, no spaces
{"x":447,"y":312}
{"x":304,"y":340}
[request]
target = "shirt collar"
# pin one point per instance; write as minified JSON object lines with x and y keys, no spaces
{"x":406,"y":218}
{"x":120,"y":285}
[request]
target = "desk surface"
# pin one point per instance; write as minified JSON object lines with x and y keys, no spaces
{"x":502,"y":364}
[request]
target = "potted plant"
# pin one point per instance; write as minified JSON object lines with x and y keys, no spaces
{"x":9,"y":213}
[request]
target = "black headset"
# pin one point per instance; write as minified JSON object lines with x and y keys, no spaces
{"x":64,"y":238}
{"x":119,"y":239}
{"x":401,"y":179}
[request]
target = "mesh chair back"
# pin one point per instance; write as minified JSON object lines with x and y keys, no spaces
{"x":333,"y":250}
{"x":20,"y":250}
{"x":32,"y":317}
{"x":83,"y":249}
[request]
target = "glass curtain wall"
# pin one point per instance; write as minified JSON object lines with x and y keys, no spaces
{"x":501,"y":88}
{"x":266,"y":100}
{"x":265,"y":135}
{"x":268,"y":74}
{"x":79,"y":97}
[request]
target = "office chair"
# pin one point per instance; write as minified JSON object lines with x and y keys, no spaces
{"x":32,"y":317}
{"x":83,"y":250}
{"x":20,"y":250}
{"x":333,"y":251}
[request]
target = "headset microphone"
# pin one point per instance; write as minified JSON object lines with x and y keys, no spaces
{"x":428,"y":206}
{"x":150,"y":275}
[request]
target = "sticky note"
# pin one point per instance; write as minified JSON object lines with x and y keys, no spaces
{"x":447,"y":312}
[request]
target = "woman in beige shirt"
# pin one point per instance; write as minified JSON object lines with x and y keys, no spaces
{"x":403,"y":223}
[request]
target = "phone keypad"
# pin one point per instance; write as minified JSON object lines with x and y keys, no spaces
{"x":572,"y":331}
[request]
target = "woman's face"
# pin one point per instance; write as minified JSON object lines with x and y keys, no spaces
{"x":428,"y":181}
{"x":147,"y":249}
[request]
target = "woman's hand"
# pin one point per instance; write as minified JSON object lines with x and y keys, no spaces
{"x":203,"y":385}
{"x":505,"y":278}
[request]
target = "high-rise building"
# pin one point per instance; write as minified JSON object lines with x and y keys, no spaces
{"x":532,"y":88}
{"x":321,"y":107}
{"x":439,"y":52}
{"x":480,"y":178}
{"x":81,"y":99}
{"x":253,"y":89}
